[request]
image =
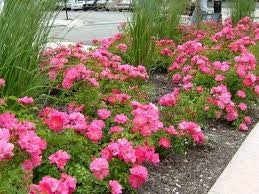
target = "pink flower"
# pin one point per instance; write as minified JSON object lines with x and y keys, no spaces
{"x":146,"y":119}
{"x":4,"y":134}
{"x":193,"y":130}
{"x":166,"y":52}
{"x":256,"y":89}
{"x":115,"y":187}
{"x":170,"y":130}
{"x":138,"y":176}
{"x":165,"y":143}
{"x":241,"y":94}
{"x":55,"y":123}
{"x":121,"y":118}
{"x":243,"y":127}
{"x":100,"y":168}
{"x":121,"y":149}
{"x":8,"y":120}
{"x":49,"y":185}
{"x":249,"y":80}
{"x":199,"y":89}
{"x":146,"y":154}
{"x":170,"y":99}
{"x":122,"y":47}
{"x":116,"y":129}
{"x":73,"y":107}
{"x":187,"y":86}
{"x":6,"y":149}
{"x":242,"y":106}
{"x":247,"y":120}
{"x":104,"y":113}
{"x":2,"y":83}
{"x":219,"y":78}
{"x":176,"y":78}
{"x":25,"y":100}
{"x":60,"y":158}
{"x":94,"y":130}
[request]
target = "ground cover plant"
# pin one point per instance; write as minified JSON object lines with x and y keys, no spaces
{"x":84,"y":147}
{"x":95,"y":129}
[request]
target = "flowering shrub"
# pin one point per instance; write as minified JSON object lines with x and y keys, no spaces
{"x":197,"y":69}
{"x":99,"y":129}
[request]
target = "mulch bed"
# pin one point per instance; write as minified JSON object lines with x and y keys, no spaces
{"x":197,"y":170}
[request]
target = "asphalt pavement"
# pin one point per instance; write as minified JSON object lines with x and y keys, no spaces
{"x":85,"y":26}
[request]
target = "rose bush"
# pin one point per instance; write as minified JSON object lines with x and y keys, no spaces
{"x":96,"y":129}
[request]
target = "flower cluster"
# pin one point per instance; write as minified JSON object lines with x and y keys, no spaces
{"x":25,"y":100}
{"x":76,"y":73}
{"x":138,"y":175}
{"x":122,"y":47}
{"x":6,"y":148}
{"x":28,"y":140}
{"x":100,"y":168}
{"x":170,"y":99}
{"x":117,"y":97}
{"x":59,"y":158}
{"x":192,"y":129}
{"x":66,"y":184}
{"x":190,"y":64}
{"x":146,"y":118}
{"x":121,"y":149}
{"x":115,"y":186}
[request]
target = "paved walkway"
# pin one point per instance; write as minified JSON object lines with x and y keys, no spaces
{"x":241,"y":176}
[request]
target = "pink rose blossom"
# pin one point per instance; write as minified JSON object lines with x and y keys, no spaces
{"x":242,"y":106}
{"x":248,"y":120}
{"x":116,"y":129}
{"x":115,"y":187}
{"x":104,"y":113}
{"x":121,"y":118}
{"x":25,"y":100}
{"x":100,"y":168}
{"x":256,"y":89}
{"x":138,"y":175}
{"x":2,"y":83}
{"x":241,"y":94}
{"x":165,"y":143}
{"x":219,"y":78}
{"x":60,"y":158}
{"x":243,"y":127}
{"x":199,"y":89}
{"x":6,"y":150}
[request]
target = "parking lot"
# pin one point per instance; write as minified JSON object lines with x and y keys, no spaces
{"x":84,"y":26}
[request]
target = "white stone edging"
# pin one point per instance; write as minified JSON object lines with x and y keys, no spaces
{"x":241,"y":176}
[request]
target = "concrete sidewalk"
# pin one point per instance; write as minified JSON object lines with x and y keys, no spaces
{"x":241,"y":176}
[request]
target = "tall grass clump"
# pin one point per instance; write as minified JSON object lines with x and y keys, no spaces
{"x":152,"y":19}
{"x":242,"y":8}
{"x":141,"y":27}
{"x":171,"y":17}
{"x":25,"y":26}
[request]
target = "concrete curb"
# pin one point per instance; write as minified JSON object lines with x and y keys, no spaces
{"x":241,"y":176}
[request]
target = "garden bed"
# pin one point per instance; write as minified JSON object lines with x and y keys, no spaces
{"x":197,"y":169}
{"x":103,"y":118}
